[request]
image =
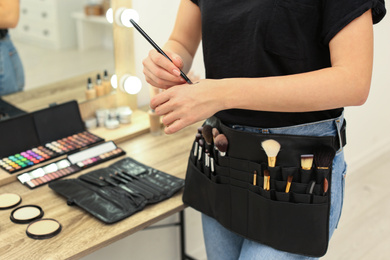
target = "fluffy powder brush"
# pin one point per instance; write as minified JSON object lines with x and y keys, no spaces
{"x":271,"y":148}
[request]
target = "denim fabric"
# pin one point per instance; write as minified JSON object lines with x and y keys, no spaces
{"x":224,"y":245}
{"x":11,"y":68}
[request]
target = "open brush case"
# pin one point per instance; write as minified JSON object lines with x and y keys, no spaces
{"x":118,"y":191}
{"x":295,"y":222}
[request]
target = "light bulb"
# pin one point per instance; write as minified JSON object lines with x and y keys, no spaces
{"x":130,"y":84}
{"x":110,"y":15}
{"x":123,"y":16}
{"x":114,"y":81}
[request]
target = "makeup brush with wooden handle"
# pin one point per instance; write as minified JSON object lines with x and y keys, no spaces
{"x":271,"y":148}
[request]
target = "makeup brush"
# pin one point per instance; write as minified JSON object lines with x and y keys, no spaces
{"x":306,"y":161}
{"x":323,"y":157}
{"x":201,"y":144}
{"x":325,"y":186}
{"x":196,"y":145}
{"x":288,"y":186}
{"x":271,"y":148}
{"x":266,"y":184}
{"x":221,"y":143}
{"x":207,"y":134}
{"x":200,"y":128}
{"x":215,"y":132}
{"x":255,"y":178}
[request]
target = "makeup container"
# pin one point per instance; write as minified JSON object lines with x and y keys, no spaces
{"x":106,"y":82}
{"x":90,"y":92}
{"x":155,"y":123}
{"x":95,"y":155}
{"x":91,"y":123}
{"x":9,"y":200}
{"x":112,"y":123}
{"x":43,"y":135}
{"x":99,"y":87}
{"x":47,"y":173}
{"x":25,"y":214}
{"x":43,"y":228}
{"x":102,"y":116}
{"x":124,"y":114}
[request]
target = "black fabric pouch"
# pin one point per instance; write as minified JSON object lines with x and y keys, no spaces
{"x":296,"y":222}
{"x":118,"y":191}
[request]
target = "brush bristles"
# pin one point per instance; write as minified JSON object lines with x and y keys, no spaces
{"x":221,"y":143}
{"x":307,"y":161}
{"x":207,"y":134}
{"x":271,"y":148}
{"x":323,"y":157}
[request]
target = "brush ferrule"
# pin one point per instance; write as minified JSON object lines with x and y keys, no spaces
{"x":271,"y":161}
{"x":323,"y":168}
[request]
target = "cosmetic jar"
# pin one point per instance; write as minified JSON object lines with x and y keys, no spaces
{"x":102,"y":116}
{"x":112,"y":123}
{"x":124,"y":114}
{"x":91,"y":123}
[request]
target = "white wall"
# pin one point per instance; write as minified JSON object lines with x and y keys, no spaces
{"x":367,"y":134}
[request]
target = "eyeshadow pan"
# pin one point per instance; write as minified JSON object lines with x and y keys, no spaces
{"x":9,"y":200}
{"x":26,"y":214}
{"x":43,"y":228}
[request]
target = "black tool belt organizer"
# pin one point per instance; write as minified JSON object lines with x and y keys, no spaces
{"x":295,"y":222}
{"x":118,"y":191}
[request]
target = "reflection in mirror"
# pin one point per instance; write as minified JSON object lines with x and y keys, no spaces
{"x":61,"y":45}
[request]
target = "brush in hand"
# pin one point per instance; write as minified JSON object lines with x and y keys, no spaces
{"x":323,"y":157}
{"x":307,"y":161}
{"x":221,"y":143}
{"x":271,"y":148}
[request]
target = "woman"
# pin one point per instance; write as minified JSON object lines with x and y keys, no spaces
{"x":274,"y":66}
{"x":11,"y":68}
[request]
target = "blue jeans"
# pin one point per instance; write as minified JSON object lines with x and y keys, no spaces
{"x":11,"y":68}
{"x":225,"y":245}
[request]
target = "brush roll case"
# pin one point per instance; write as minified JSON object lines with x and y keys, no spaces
{"x":296,"y":222}
{"x":111,"y":197}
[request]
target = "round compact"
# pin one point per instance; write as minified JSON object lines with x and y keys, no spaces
{"x":25,"y":214}
{"x":43,"y":228}
{"x":112,"y":123}
{"x":9,"y":200}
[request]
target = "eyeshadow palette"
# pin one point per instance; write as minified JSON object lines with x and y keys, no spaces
{"x":23,"y":160}
{"x":74,"y":163}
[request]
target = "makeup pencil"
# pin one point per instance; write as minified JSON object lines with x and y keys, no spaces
{"x":139,"y":29}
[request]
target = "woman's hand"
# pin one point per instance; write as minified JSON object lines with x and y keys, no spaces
{"x":161,"y":72}
{"x":184,"y":105}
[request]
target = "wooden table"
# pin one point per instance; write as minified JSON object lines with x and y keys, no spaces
{"x":81,"y":233}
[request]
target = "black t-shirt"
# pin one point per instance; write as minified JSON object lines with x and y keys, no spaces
{"x":262,"y":38}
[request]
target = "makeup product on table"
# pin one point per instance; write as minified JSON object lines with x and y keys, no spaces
{"x":90,"y":92}
{"x":96,"y":154}
{"x":37,"y":137}
{"x":26,"y":214}
{"x":43,"y":228}
{"x":124,"y":114}
{"x":271,"y":148}
{"x":47,"y":173}
{"x":139,"y":29}
{"x":9,"y":200}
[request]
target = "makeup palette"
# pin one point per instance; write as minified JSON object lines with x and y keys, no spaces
{"x":95,"y":155}
{"x":70,"y":165}
{"x":40,"y":136}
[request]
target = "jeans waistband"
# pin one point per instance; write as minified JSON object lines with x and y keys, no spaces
{"x":328,"y":127}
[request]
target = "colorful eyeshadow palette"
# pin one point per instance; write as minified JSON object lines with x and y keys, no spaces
{"x":95,"y":155}
{"x":74,"y":163}
{"x":73,"y":143}
{"x":23,"y":160}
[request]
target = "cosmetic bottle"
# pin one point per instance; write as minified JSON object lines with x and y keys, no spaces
{"x":155,"y":123}
{"x":106,"y":83}
{"x":90,"y":92}
{"x":99,"y":86}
